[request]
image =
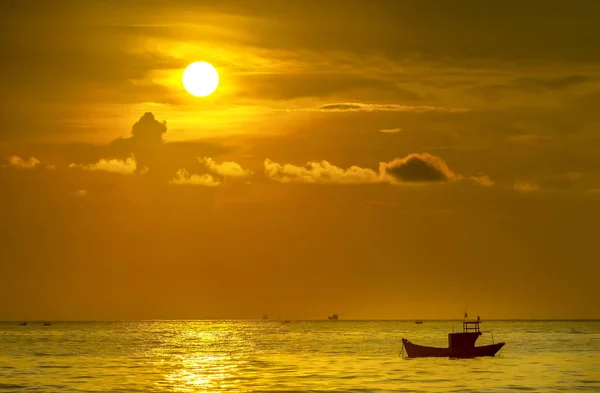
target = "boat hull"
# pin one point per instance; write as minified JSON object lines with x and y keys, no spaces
{"x":421,"y":351}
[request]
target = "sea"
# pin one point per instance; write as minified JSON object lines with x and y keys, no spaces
{"x":299,"y":356}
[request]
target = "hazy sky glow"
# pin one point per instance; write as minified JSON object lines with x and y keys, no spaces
{"x":375,"y":159}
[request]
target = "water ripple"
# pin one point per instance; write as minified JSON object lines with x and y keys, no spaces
{"x":243,"y":356}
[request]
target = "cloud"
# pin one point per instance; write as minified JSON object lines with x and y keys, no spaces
{"x":417,"y":168}
{"x":182,"y":177}
{"x":146,"y":142}
{"x":483,"y":180}
{"x":80,"y":193}
{"x":529,"y":138}
{"x":525,"y":186}
{"x":553,"y":83}
{"x":226,"y":168}
{"x":18,"y":162}
{"x":359,"y":107}
{"x":532,"y":85}
{"x":115,"y":165}
{"x":161,"y":159}
{"x":276,"y":85}
{"x":569,"y":181}
{"x":319,"y":172}
{"x":148,"y":130}
{"x":414,"y":168}
{"x":32,"y":163}
{"x":390,"y":130}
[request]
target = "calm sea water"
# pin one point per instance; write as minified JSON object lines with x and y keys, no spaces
{"x":243,"y":356}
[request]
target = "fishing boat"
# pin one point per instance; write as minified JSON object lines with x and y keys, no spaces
{"x":460,"y":345}
{"x":419,"y":322}
{"x":333,"y":317}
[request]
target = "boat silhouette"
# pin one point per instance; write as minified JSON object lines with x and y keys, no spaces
{"x":333,"y":317}
{"x":23,"y":324}
{"x":460,"y":345}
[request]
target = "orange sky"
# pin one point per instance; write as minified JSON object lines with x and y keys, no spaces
{"x":375,"y":159}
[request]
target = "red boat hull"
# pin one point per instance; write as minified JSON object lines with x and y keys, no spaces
{"x":421,"y":351}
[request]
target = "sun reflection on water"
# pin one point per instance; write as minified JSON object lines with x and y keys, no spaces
{"x":205,"y":373}
{"x":210,"y":362}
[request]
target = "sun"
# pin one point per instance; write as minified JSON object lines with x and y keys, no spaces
{"x":200,"y":79}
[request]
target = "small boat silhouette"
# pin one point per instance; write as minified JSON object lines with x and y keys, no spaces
{"x":23,"y":324}
{"x":460,"y":345}
{"x":419,"y":322}
{"x":46,"y":324}
{"x":333,"y":317}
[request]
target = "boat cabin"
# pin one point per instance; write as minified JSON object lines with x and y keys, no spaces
{"x":468,"y":337}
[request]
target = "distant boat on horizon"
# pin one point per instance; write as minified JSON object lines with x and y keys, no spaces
{"x":23,"y":324}
{"x":46,"y":324}
{"x":333,"y":317}
{"x":419,"y":322}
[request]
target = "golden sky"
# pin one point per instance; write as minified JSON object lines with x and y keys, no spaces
{"x":375,"y":159}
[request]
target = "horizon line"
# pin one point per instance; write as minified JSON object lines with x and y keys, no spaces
{"x":306,"y":320}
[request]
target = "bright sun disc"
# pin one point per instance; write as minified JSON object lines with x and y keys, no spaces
{"x":200,"y":79}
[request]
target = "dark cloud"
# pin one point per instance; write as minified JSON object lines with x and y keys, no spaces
{"x":452,"y":32}
{"x":61,"y":71}
{"x":355,"y":107}
{"x":148,"y":130}
{"x":145,"y":150}
{"x":417,"y":168}
{"x":494,"y":92}
{"x":554,"y":83}
{"x":340,"y":107}
{"x":75,"y":54}
{"x":326,"y":84}
{"x":146,"y":142}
